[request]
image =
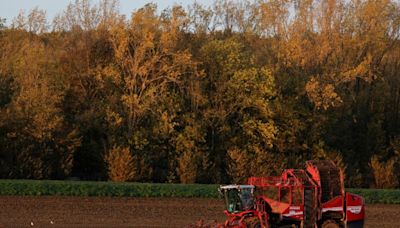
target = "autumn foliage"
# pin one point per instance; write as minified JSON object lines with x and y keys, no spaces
{"x":120,"y":164}
{"x":202,"y":94}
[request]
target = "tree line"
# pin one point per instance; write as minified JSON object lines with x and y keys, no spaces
{"x":202,"y":94}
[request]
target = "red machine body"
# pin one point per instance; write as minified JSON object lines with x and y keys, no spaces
{"x":313,"y":197}
{"x":248,"y":218}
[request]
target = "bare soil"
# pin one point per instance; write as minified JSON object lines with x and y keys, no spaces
{"x":17,"y":211}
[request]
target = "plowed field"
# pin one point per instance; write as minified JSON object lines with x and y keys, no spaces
{"x":136,"y":212}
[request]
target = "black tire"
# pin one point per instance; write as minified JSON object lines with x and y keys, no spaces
{"x":256,"y":224}
{"x":330,"y":224}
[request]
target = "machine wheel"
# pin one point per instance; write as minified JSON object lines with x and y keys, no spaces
{"x":255,"y":225}
{"x":330,"y":224}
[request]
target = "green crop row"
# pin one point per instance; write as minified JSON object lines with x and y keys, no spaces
{"x":91,"y":188}
{"x":85,"y":188}
{"x":374,"y":196}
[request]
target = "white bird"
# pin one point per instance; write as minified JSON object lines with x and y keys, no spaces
{"x":51,"y":222}
{"x":32,"y":224}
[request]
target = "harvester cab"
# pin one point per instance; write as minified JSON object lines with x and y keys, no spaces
{"x":238,"y":198}
{"x":241,"y":208}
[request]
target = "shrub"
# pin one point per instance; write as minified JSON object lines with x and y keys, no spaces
{"x":188,"y":168}
{"x":384,"y":173}
{"x":121,"y":165}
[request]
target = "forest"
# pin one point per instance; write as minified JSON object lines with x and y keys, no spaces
{"x":202,"y":94}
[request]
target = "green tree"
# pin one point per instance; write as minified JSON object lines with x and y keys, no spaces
{"x":237,"y":113}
